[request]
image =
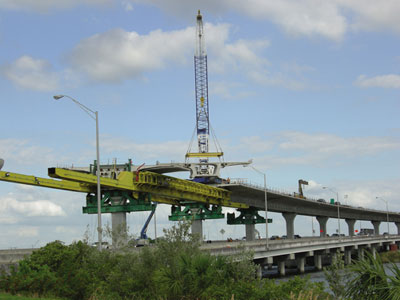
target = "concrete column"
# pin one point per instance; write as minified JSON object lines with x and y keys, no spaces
{"x":360,"y":253}
{"x":118,"y":228}
{"x":373,"y":251}
{"x":250,"y":232}
{"x":259,"y":271}
{"x":398,"y":228}
{"x":347,"y":257}
{"x":376,"y":226}
{"x":350,"y":224}
{"x":300,"y":264}
{"x":318,"y":261}
{"x":289,"y":217}
{"x":322,"y":225}
{"x":281,"y":267}
{"x":197,"y":225}
{"x":197,"y":228}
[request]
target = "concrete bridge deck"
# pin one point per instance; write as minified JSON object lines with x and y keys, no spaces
{"x":280,"y":252}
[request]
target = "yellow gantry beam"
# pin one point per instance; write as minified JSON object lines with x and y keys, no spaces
{"x":162,"y":187}
{"x":46,"y":182}
{"x":205,"y":154}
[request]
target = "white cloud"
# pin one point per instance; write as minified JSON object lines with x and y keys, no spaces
{"x":44,"y":6}
{"x":383,"y":81}
{"x":329,"y":19}
{"x":118,"y":55}
{"x":128,"y":6}
{"x":300,"y":148}
{"x":374,"y":15}
{"x":26,"y":231}
{"x":171,"y":149}
{"x":22,"y":151}
{"x":29,"y":73}
{"x":230,"y":90}
{"x":11,"y":205}
{"x":332,"y":145}
{"x":304,"y":17}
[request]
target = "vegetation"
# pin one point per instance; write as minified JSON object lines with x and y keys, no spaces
{"x":390,"y":256}
{"x":173,"y":269}
{"x":16,"y":297}
{"x":336,"y":275}
{"x":370,"y":281}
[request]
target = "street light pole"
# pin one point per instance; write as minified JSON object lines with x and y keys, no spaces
{"x":95,"y":116}
{"x":338,"y":205}
{"x":266,"y":205}
{"x":387,"y":212}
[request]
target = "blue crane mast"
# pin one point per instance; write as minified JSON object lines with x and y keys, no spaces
{"x":201,"y":85}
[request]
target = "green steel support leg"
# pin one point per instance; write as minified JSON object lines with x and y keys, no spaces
{"x":202,"y":212}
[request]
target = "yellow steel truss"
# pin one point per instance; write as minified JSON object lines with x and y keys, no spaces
{"x":160,"y":186}
{"x":46,"y":182}
{"x":164,"y":189}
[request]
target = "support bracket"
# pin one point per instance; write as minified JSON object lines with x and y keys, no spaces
{"x":118,"y":201}
{"x":247,"y":216}
{"x":203,"y":212}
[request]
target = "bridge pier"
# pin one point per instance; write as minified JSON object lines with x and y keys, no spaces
{"x":360,"y":253}
{"x":322,"y":225}
{"x":347,"y":256}
{"x":250,"y":232}
{"x":398,"y":228}
{"x":118,"y":227}
{"x":373,"y":251}
{"x":350,"y":224}
{"x":289,"y":217}
{"x":197,"y":225}
{"x":318,"y":261}
{"x":281,"y":268}
{"x":301,"y":263}
{"x":376,"y":226}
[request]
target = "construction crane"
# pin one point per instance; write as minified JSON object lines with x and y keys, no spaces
{"x":301,"y":183}
{"x":205,"y":171}
{"x":201,"y":90}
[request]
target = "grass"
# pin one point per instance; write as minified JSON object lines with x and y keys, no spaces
{"x":4,"y":296}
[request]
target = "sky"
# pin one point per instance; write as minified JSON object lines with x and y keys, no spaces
{"x":308,"y":89}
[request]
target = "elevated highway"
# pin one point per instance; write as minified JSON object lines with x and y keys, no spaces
{"x":291,"y":205}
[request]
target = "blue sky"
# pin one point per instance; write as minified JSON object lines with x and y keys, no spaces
{"x":307,"y":89}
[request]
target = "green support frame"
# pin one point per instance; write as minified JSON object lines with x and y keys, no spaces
{"x":203,"y":212}
{"x":247,"y":216}
{"x":118,"y":201}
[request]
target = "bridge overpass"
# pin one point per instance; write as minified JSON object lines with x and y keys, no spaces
{"x":291,"y":205}
{"x":296,"y":251}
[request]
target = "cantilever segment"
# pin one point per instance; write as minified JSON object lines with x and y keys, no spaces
{"x":160,"y":186}
{"x":46,"y":182}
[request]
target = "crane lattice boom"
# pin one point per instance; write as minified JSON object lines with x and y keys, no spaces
{"x":201,"y":84}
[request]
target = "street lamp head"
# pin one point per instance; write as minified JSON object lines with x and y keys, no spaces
{"x":58,"y":97}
